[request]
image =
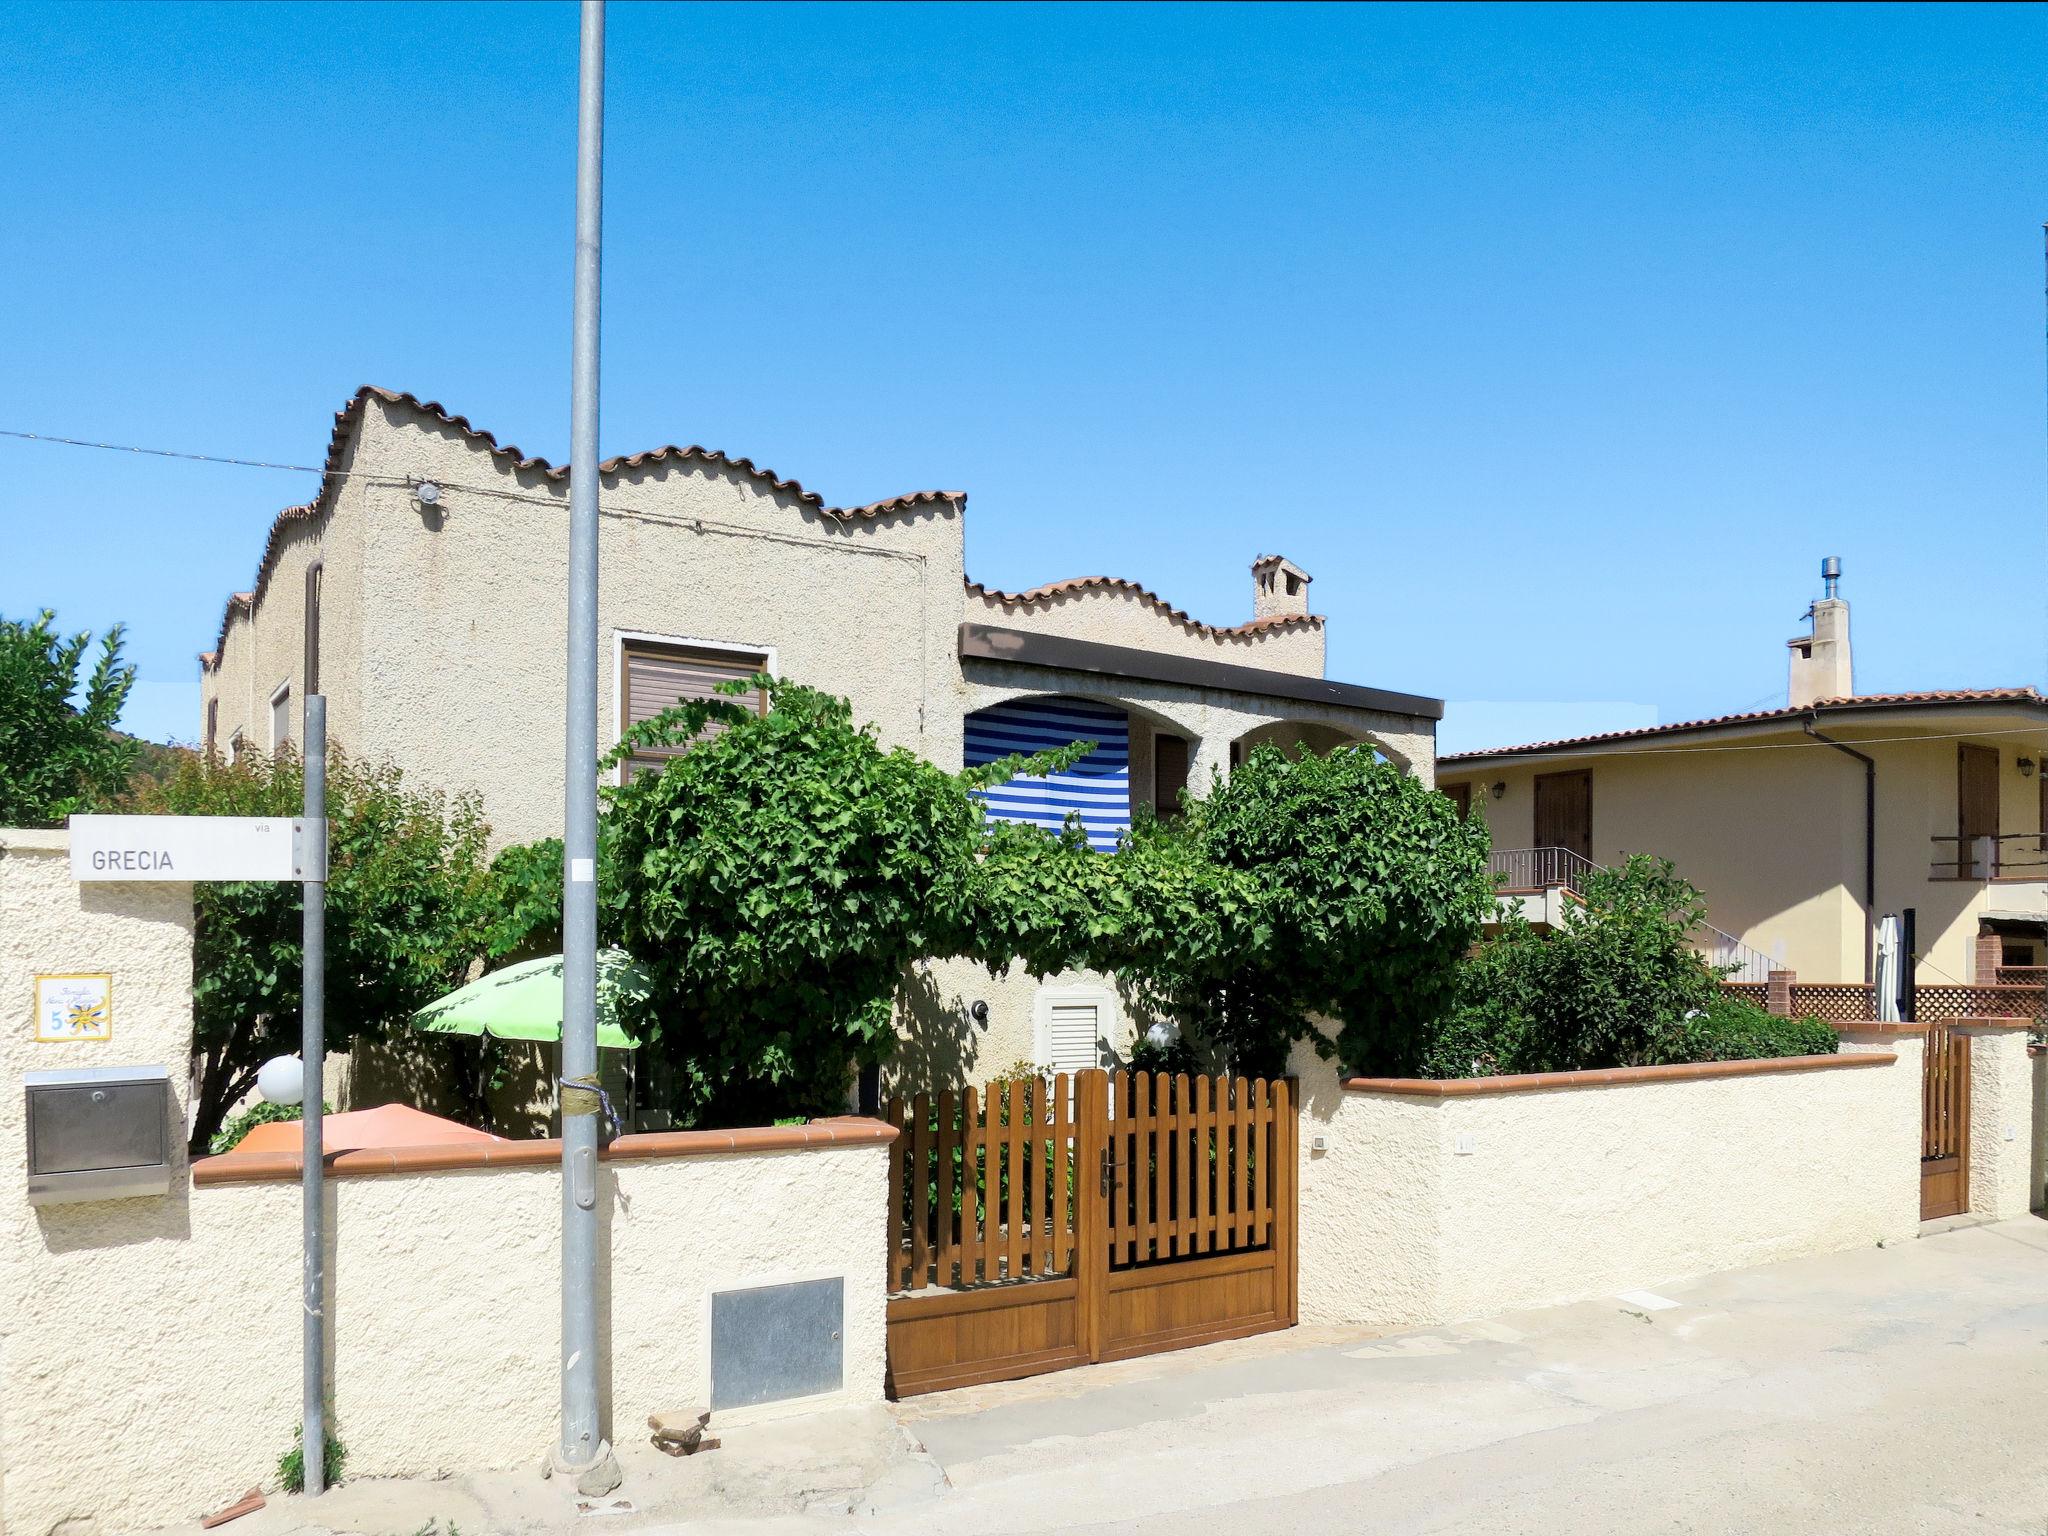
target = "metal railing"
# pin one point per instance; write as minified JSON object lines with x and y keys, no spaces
{"x":1723,"y":950}
{"x":2009,"y":856}
{"x":1539,"y":869}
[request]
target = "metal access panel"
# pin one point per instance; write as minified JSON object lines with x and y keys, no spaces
{"x":98,"y":1133}
{"x":773,"y":1342}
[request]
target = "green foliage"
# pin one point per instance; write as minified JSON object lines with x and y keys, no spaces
{"x":1619,"y":985}
{"x":1734,"y":1029}
{"x":407,"y":890}
{"x":776,"y":881}
{"x":262,"y":1112}
{"x":59,"y":752}
{"x":291,"y":1466}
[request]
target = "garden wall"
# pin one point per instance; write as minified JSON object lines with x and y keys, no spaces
{"x":149,"y":1347}
{"x":1437,"y":1201}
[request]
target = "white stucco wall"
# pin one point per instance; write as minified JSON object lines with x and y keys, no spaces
{"x":2003,"y":1129}
{"x":76,"y":1278}
{"x":1429,"y":1209}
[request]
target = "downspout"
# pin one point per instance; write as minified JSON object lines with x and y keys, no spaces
{"x":1869,"y":842}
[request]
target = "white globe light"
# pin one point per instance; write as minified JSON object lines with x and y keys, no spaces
{"x":282,"y":1080}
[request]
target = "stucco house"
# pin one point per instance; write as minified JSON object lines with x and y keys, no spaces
{"x":422,"y":591}
{"x":1804,"y":824}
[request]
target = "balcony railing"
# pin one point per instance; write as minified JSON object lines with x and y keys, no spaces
{"x":1539,"y":869}
{"x":2010,"y":856}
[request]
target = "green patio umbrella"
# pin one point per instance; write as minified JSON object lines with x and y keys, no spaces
{"x":524,"y":1001}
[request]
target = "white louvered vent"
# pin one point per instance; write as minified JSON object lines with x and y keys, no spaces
{"x":1073,"y":1037}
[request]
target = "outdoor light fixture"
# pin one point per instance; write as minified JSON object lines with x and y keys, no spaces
{"x":282,"y":1080}
{"x":426,"y":493}
{"x":978,"y":1011}
{"x":1500,"y":789}
{"x":2026,"y":767}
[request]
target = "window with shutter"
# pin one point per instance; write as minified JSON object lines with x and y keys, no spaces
{"x":1169,"y":772}
{"x":280,"y":716}
{"x":659,"y":677}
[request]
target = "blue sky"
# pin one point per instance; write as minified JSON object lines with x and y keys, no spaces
{"x":1559,"y":344}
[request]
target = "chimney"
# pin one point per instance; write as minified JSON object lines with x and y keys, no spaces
{"x":1820,"y":659}
{"x":1279,"y":588}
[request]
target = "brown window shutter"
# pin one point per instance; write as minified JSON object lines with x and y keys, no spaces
{"x":1169,"y":772}
{"x":312,"y":668}
{"x":213,"y":725}
{"x":1461,"y":797}
{"x":661,"y":677}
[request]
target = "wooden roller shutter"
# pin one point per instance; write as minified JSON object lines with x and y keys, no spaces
{"x":1074,"y":1037}
{"x":1169,"y":772}
{"x":661,"y":677}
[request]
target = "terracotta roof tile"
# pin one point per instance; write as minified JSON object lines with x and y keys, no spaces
{"x":1053,"y":591}
{"x":513,"y":459}
{"x":1754,"y":717}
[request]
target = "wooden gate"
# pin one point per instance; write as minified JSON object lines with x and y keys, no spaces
{"x":1945,"y":1125}
{"x":1058,"y":1222}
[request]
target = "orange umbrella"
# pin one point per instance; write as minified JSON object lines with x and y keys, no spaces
{"x":388,"y":1125}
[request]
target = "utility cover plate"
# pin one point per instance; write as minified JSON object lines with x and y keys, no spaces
{"x":774,"y":1342}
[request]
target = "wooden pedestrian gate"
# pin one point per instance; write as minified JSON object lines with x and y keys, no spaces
{"x":1056,"y":1222}
{"x":1945,"y":1125}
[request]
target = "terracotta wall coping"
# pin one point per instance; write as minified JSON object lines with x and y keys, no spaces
{"x":269,"y":1167}
{"x":1608,"y":1077}
{"x":1988,"y":1023}
{"x":1886,"y":1027}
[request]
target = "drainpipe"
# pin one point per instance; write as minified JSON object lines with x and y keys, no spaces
{"x":1869,"y":842}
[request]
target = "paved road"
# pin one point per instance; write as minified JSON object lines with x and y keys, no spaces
{"x":1886,"y":1390}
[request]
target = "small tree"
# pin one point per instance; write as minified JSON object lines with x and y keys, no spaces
{"x":1344,"y":887}
{"x":59,"y":752}
{"x":407,"y":904}
{"x":776,"y":881}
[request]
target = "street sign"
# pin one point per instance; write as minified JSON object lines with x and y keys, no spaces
{"x":158,"y":848}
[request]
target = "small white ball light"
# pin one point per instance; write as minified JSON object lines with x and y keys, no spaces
{"x":282,"y":1080}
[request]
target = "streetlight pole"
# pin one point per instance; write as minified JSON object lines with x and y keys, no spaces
{"x":582,"y":1452}
{"x":312,"y":1062}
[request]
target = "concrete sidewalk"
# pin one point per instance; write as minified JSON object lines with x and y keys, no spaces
{"x":1885,"y":1390}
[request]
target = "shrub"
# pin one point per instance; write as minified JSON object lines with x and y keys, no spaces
{"x":291,"y":1466}
{"x":1619,"y":985}
{"x":1734,"y":1029}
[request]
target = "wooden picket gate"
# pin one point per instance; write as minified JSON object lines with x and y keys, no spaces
{"x":1057,"y":1222}
{"x":1945,"y":1124}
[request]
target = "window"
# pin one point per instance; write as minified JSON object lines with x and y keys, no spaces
{"x":1460,"y":796}
{"x":1169,"y":772}
{"x":281,"y":716}
{"x":1074,"y":1027}
{"x":657,"y":675}
{"x":310,"y":675}
{"x":212,"y":726}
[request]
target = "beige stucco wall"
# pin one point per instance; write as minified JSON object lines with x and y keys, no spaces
{"x":465,"y":684}
{"x":1427,"y":1210}
{"x":2004,"y":1129}
{"x":445,"y":1320}
{"x":75,"y":1278}
{"x":1774,"y":837}
{"x":1127,"y":616}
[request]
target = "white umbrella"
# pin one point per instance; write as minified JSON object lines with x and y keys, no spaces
{"x":1889,"y":962}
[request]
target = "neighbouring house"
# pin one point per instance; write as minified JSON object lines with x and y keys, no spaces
{"x":423,"y":593}
{"x":1803,"y":825}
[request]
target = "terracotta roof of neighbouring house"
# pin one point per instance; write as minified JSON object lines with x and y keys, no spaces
{"x":1860,"y":701}
{"x":1053,"y":591}
{"x":519,"y":463}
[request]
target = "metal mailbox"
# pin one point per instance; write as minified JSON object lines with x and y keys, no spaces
{"x":98,"y":1133}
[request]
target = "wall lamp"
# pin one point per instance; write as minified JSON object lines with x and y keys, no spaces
{"x":1500,"y":789}
{"x":2026,"y":767}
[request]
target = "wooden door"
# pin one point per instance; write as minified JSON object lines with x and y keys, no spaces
{"x":1976,"y":808}
{"x":1564,"y":812}
{"x":1945,"y":1125}
{"x":1461,"y":797}
{"x":1169,"y":772}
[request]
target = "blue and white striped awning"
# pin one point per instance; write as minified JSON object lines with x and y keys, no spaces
{"x":1097,"y":788}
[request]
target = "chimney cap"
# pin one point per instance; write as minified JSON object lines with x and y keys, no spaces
{"x":1831,"y":573}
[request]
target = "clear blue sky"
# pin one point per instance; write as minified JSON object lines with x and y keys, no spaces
{"x":1558,"y":344}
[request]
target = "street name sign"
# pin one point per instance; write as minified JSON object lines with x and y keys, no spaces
{"x":160,"y":848}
